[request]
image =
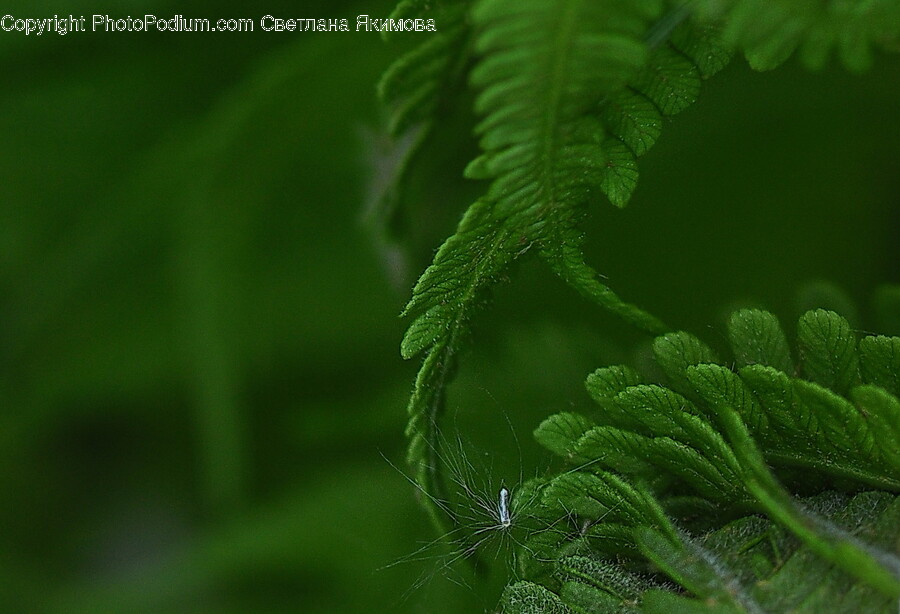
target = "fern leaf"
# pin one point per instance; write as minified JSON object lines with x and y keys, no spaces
{"x":769,"y":31}
{"x":721,"y":386}
{"x":530,"y":598}
{"x":443,"y":301}
{"x":630,"y":453}
{"x":869,"y":565}
{"x":565,"y":258}
{"x":606,"y":382}
{"x":756,"y":338}
{"x":670,"y":81}
{"x":542,"y":156}
{"x":882,"y":411}
{"x":599,"y":586}
{"x":749,"y":565}
{"x":650,"y":409}
{"x":828,"y":350}
{"x":675,"y":352}
{"x":698,"y":570}
{"x":604,"y":496}
{"x":559,"y":432}
{"x":702,"y":43}
{"x":839,"y":422}
{"x":789,"y":420}
{"x":880,"y":362}
{"x":830,"y":553}
{"x":415,"y":90}
{"x":412,"y":86}
{"x":634,"y":120}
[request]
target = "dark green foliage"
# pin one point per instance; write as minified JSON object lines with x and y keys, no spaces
{"x":413,"y":86}
{"x":769,"y":31}
{"x":543,"y":155}
{"x":568,"y":94}
{"x":771,"y":421}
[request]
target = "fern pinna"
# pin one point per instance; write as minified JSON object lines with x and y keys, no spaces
{"x":568,"y":94}
{"x":710,"y":445}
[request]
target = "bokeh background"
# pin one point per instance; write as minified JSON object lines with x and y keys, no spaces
{"x":201,"y":395}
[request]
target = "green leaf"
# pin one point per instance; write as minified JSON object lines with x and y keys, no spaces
{"x":606,"y":382}
{"x":634,"y":120}
{"x":613,"y":448}
{"x":720,"y":386}
{"x":655,"y":411}
{"x":838,"y":422}
{"x":703,"y":45}
{"x":879,"y":362}
{"x":869,"y":565}
{"x":828,"y":350}
{"x":675,"y":352}
{"x":619,"y":177}
{"x":628,"y":452}
{"x":529,"y":598}
{"x":413,"y":86}
{"x":560,"y":432}
{"x":770,"y":30}
{"x":594,"y":585}
{"x":698,"y":570}
{"x":756,"y":338}
{"x":536,"y":78}
{"x":605,"y":497}
{"x":789,"y":419}
{"x":670,"y":81}
{"x":565,"y":258}
{"x":882,"y":410}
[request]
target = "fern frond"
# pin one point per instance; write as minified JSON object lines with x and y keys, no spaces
{"x":659,"y":437}
{"x":445,"y":297}
{"x":537,"y":78}
{"x":596,"y":510}
{"x":698,"y":570}
{"x":770,"y":31}
{"x":756,"y":338}
{"x":412,"y":87}
{"x":569,"y":93}
{"x":828,"y":350}
{"x":751,"y":565}
{"x":882,"y":410}
{"x":870,"y":565}
{"x":799,"y":423}
{"x":416,"y":90}
{"x":880,"y":362}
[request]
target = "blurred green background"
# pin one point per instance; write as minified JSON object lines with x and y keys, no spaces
{"x":201,"y":388}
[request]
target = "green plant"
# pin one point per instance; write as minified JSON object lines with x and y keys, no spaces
{"x":568,"y":94}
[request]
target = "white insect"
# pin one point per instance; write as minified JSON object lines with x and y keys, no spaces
{"x":492,"y":523}
{"x":503,"y":508}
{"x":485,"y":521}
